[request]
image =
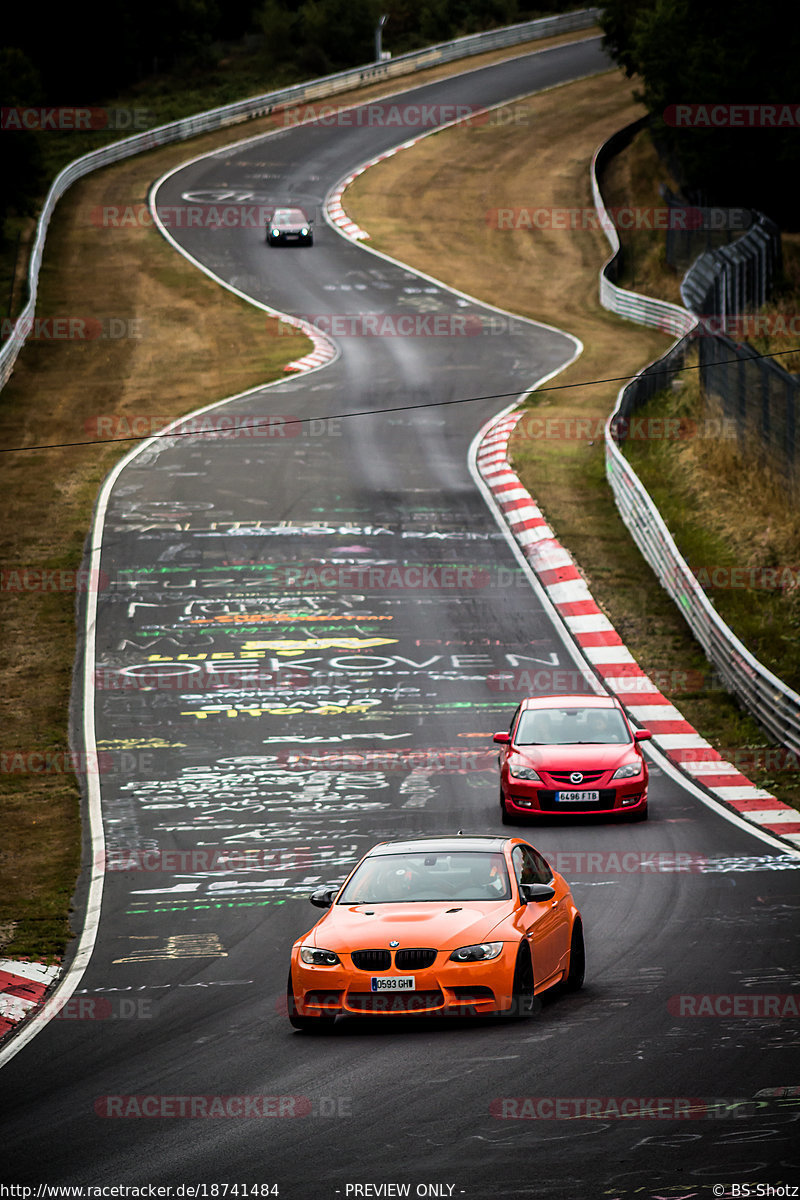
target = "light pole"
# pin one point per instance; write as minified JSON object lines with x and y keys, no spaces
{"x":379,"y":37}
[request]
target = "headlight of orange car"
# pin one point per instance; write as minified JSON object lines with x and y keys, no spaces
{"x":481,"y":953}
{"x":312,"y":956}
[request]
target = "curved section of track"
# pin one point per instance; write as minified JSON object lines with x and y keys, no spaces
{"x":305,"y":648}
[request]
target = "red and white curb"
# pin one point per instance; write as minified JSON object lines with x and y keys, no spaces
{"x":324,"y":350}
{"x":333,"y":205}
{"x":22,"y":988}
{"x":603,"y":648}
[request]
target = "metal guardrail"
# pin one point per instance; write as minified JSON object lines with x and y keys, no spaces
{"x":774,"y":705}
{"x":261,"y":106}
{"x":659,"y":314}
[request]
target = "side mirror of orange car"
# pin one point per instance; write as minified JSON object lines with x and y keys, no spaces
{"x":536,"y":893}
{"x":502,"y":738}
{"x":323,"y":897}
{"x":643,"y":735}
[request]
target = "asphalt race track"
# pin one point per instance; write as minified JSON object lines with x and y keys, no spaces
{"x":304,"y":643}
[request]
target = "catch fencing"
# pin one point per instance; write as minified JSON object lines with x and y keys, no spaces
{"x":724,"y":287}
{"x":732,"y":279}
{"x":772,"y":703}
{"x":757,"y":398}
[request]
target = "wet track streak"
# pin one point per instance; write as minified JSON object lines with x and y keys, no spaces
{"x":301,"y":651}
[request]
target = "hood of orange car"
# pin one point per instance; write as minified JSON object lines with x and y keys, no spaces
{"x":440,"y":925}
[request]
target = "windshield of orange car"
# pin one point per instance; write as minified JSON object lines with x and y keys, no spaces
{"x":570,"y":727}
{"x":451,"y":876}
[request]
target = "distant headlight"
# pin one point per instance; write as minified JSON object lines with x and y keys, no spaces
{"x":274,"y":233}
{"x":628,"y":771}
{"x":481,"y":953}
{"x":314,"y":957}
{"x":523,"y":773}
{"x":304,"y":232}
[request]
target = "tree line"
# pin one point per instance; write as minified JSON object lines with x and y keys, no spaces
{"x":96,"y":53}
{"x":719,"y":79}
{"x":684,"y":55}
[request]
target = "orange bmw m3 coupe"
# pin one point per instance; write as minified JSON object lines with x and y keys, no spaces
{"x":439,"y":925}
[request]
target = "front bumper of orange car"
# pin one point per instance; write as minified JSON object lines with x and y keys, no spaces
{"x":445,"y":987}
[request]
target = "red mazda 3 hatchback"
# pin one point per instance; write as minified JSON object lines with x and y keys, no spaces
{"x":572,"y":754}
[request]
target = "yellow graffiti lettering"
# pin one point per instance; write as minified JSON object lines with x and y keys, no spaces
{"x":300,"y":646}
{"x":275,"y":710}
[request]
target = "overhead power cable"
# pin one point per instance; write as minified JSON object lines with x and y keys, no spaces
{"x":373,"y":412}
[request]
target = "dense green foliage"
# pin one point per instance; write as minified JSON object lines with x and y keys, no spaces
{"x":718,"y":52}
{"x":178,"y":57}
{"x":84,"y":56}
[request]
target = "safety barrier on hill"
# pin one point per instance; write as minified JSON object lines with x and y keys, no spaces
{"x":262,"y":106}
{"x":775,"y":706}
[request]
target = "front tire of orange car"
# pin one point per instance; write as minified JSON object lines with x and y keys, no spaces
{"x":577,"y":960}
{"x":321,"y":1024}
{"x":522,"y":1004}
